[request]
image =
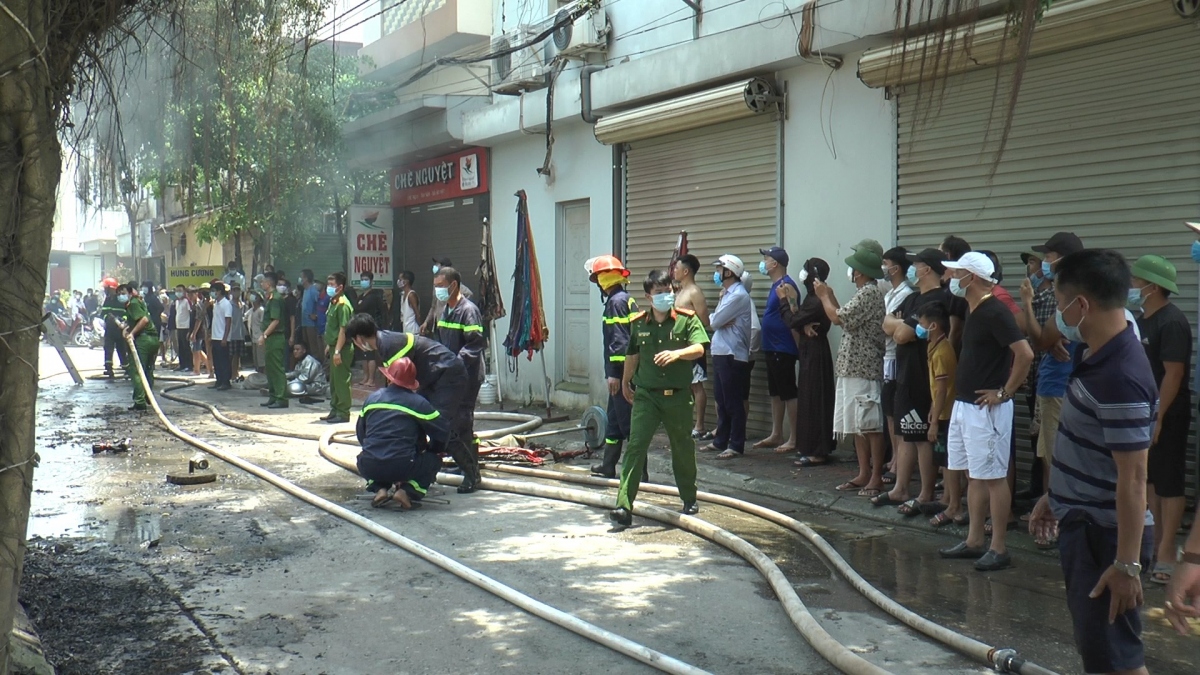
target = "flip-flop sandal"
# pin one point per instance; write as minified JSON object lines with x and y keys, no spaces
{"x":910,"y":508}
{"x":869,"y":492}
{"x":810,"y":461}
{"x":962,"y":519}
{"x":1046,"y":544}
{"x":784,"y":450}
{"x":729,"y":454}
{"x":706,"y":436}
{"x":889,"y":478}
{"x":1162,"y":573}
{"x":932,"y":508}
{"x":884,"y":499}
{"x":381,"y":501}
{"x":849,"y":486}
{"x":940,"y":520}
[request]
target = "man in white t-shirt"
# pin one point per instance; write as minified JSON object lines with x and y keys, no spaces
{"x":222,"y":333}
{"x":183,"y":328}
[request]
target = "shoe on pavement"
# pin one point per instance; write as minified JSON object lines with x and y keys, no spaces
{"x":621,"y":518}
{"x":327,"y":417}
{"x":961,"y":551}
{"x":334,"y":419}
{"x":599,"y":470}
{"x":690,"y":509}
{"x":138,"y":407}
{"x":278,"y":404}
{"x":267,"y":404}
{"x":223,"y":387}
{"x":992,"y":562}
{"x":466,"y":487}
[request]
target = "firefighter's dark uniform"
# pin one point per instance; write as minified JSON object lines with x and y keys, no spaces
{"x":274,"y":346}
{"x":113,"y":313}
{"x":147,"y":349}
{"x":460,"y":329}
{"x":392,"y":429}
{"x":619,"y":309}
{"x":662,"y":395}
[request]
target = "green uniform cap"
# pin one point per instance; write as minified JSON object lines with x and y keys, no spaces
{"x":1157,"y":270}
{"x":869,"y":245}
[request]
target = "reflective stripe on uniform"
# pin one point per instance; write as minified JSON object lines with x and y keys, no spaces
{"x":403,"y":350}
{"x":407,"y":411}
{"x":459,"y":326}
{"x":611,"y":441}
{"x":618,"y":319}
{"x":617,"y":358}
{"x":416,"y":486}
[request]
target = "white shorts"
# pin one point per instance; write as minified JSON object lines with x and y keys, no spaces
{"x":699,"y":372}
{"x":979,"y":440}
{"x":856,"y":407}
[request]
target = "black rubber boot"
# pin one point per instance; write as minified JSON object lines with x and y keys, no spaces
{"x":607,"y":468}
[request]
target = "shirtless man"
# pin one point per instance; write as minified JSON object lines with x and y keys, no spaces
{"x":690,"y":297}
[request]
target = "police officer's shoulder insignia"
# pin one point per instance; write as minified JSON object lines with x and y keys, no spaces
{"x":637,"y":316}
{"x":685,"y":312}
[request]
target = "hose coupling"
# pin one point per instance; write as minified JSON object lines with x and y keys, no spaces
{"x":1006,"y":660}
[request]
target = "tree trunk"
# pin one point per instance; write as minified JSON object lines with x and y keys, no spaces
{"x":341,"y":228}
{"x":30,"y":165}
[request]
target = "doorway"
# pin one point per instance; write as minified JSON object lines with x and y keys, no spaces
{"x":574,"y":313}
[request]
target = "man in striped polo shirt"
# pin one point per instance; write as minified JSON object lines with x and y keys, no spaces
{"x":1097,"y":498}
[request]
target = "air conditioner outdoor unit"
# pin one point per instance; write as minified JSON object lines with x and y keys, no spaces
{"x":523,"y":70}
{"x":588,"y":33}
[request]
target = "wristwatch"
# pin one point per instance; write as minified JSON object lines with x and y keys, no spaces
{"x":1128,"y":569}
{"x":1001,"y":394}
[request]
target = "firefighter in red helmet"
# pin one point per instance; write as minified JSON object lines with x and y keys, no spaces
{"x":113,"y":313}
{"x":610,"y":275}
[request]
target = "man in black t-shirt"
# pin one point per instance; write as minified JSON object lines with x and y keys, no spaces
{"x":913,"y":399}
{"x":954,"y":248}
{"x":995,"y":360}
{"x":1167,"y":338}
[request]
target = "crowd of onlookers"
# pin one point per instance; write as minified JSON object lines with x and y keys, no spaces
{"x":934,"y":356}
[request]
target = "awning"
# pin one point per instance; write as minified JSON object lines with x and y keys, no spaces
{"x":1068,"y":24}
{"x":724,"y":104}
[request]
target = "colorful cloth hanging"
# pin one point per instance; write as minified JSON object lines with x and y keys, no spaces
{"x":527,"y":329}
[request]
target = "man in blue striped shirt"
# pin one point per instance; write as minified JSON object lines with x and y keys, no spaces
{"x":1097,"y":495}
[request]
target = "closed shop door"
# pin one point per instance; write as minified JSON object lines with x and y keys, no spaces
{"x":451,"y":229}
{"x":1104,"y":143}
{"x":721,"y":184}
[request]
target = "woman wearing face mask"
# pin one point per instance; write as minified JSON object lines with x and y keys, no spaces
{"x":371,"y":301}
{"x":859,"y":368}
{"x":815,"y":390}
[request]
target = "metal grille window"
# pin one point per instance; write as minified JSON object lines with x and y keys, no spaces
{"x":398,"y":15}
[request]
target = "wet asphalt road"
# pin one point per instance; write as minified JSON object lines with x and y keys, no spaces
{"x":245,"y":579}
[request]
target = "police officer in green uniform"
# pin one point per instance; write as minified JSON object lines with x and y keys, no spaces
{"x":145,"y":338}
{"x":657,"y":380}
{"x":273,"y":340}
{"x":338,"y":348}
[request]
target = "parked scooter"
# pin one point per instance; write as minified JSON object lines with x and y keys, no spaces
{"x":90,"y":333}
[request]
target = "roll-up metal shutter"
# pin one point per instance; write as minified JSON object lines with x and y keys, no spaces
{"x":721,"y":184}
{"x":1104,"y":143}
{"x":451,"y":229}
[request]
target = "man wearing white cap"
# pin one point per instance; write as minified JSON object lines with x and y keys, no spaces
{"x":994,"y":362}
{"x":730,"y":323}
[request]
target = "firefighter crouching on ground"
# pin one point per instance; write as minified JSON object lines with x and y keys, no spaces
{"x":657,"y":381}
{"x":610,"y":276}
{"x":145,"y":338}
{"x":460,"y":329}
{"x":396,"y":459}
{"x":113,"y":312}
{"x":442,"y":375}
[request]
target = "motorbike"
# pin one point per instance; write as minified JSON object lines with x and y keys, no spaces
{"x":90,"y":333}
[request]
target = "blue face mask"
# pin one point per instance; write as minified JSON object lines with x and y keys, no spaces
{"x":1047,"y":273}
{"x":442,"y":294}
{"x":178,"y":295}
{"x":663,"y":302}
{"x":331,"y":290}
{"x":912,"y":275}
{"x":1036,"y":280}
{"x":717,"y":278}
{"x":958,"y":289}
{"x":762,"y":267}
{"x":365,"y":283}
{"x":1135,"y":300}
{"x":122,"y":298}
{"x":922,"y":332}
{"x":1071,"y":333}
{"x":1196,"y":251}
{"x":436,"y":268}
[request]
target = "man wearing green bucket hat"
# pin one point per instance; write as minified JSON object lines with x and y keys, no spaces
{"x":1167,"y":338}
{"x":859,"y":367}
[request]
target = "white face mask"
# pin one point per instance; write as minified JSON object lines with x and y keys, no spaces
{"x":803,"y":276}
{"x":850,"y":274}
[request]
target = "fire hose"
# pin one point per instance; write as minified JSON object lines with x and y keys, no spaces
{"x":1003,"y":660}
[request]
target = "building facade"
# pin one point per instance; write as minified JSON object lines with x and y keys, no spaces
{"x":749,"y":124}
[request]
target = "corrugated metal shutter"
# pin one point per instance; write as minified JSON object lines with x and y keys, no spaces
{"x":719,"y":183}
{"x":450,"y":229}
{"x":1104,"y":143}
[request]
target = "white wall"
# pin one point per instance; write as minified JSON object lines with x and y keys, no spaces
{"x":583,"y":170}
{"x":839,"y":167}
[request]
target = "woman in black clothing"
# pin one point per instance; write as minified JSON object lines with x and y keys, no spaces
{"x":814,"y":400}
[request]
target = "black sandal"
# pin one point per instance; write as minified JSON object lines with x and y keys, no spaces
{"x":807,"y":461}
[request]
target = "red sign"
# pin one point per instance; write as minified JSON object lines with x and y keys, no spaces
{"x":448,"y":177}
